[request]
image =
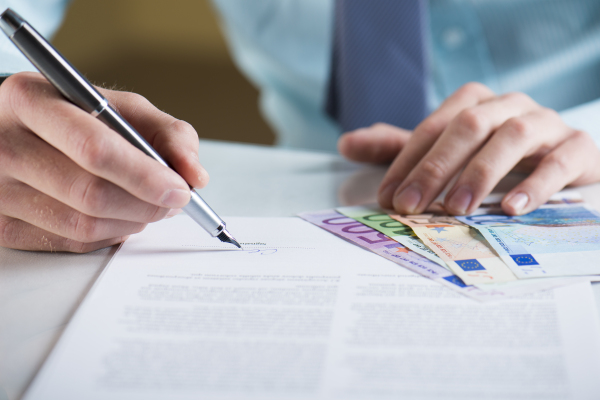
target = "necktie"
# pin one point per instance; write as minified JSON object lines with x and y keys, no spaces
{"x":379,"y":67}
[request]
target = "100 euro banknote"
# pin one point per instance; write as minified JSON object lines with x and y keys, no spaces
{"x":382,"y":222}
{"x":464,"y":249}
{"x":554,"y":240}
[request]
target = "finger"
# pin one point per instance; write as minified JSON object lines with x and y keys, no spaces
{"x":576,"y":161}
{"x":516,"y":139}
{"x":92,"y":145}
{"x":460,"y":140}
{"x":40,"y":166}
{"x":379,"y":143}
{"x":24,"y":203}
{"x":175,"y":140}
{"x":425,"y":135}
{"x":20,"y":235}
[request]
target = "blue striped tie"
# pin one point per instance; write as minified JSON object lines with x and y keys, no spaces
{"x":379,"y":67}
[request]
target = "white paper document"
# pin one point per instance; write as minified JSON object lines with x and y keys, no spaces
{"x":302,"y":314}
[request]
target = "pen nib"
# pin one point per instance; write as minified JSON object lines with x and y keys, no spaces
{"x":226,"y":237}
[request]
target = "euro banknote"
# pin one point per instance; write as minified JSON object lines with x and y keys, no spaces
{"x":554,"y":240}
{"x":377,"y":219}
{"x":375,"y":241}
{"x":463,"y":249}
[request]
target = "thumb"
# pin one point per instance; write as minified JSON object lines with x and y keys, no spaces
{"x":379,"y":143}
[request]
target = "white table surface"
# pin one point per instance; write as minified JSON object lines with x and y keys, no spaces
{"x":39,"y":292}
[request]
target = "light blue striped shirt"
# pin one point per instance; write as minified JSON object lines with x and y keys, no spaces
{"x":549,"y":49}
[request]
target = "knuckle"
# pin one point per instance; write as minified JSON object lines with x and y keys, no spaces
{"x":8,"y":153}
{"x":182,"y":127}
{"x":93,"y":152}
{"x":18,"y":88}
{"x":472,"y":122}
{"x":17,"y":82}
{"x":517,"y":97}
{"x":583,"y":137}
{"x":9,"y":232}
{"x":550,"y":114}
{"x":74,"y":246}
{"x":517,"y":128}
{"x":143,"y":181}
{"x":91,"y":195}
{"x":22,"y":91}
{"x":350,"y":135}
{"x":9,"y":194}
{"x":473,"y":89}
{"x":131,"y":100}
{"x":130,"y":97}
{"x":138,"y":229}
{"x":483,"y":171}
{"x":380,"y":126}
{"x":154,"y":213}
{"x":433,"y":170}
{"x":178,"y":133}
{"x":430,"y":128}
{"x":83,"y":228}
{"x":559,"y":162}
{"x":136,"y":98}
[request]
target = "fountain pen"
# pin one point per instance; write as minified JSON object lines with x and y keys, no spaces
{"x":79,"y":91}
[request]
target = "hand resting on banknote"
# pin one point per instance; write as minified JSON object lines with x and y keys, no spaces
{"x":487,"y":134}
{"x":69,"y":183}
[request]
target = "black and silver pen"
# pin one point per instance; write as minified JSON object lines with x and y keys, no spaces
{"x":80,"y":92}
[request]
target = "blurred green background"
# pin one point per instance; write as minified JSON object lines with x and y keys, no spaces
{"x":171,"y":52}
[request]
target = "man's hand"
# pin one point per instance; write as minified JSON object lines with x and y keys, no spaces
{"x":70,"y":183}
{"x":488,"y":136}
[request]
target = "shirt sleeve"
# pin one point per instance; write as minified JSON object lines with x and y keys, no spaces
{"x":284,"y":48}
{"x":44,"y":15}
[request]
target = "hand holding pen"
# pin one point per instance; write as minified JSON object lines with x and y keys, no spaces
{"x":68,"y":182}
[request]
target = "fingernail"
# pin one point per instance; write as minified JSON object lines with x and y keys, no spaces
{"x":200,"y":182}
{"x":203,"y":178}
{"x":460,"y":201}
{"x":408,"y":200}
{"x":202,"y":175}
{"x":173,"y":212}
{"x":176,"y":198}
{"x":518,"y":202}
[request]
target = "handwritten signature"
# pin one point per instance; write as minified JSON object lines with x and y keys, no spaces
{"x":262,"y":252}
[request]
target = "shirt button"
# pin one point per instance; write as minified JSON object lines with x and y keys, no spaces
{"x":453,"y":37}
